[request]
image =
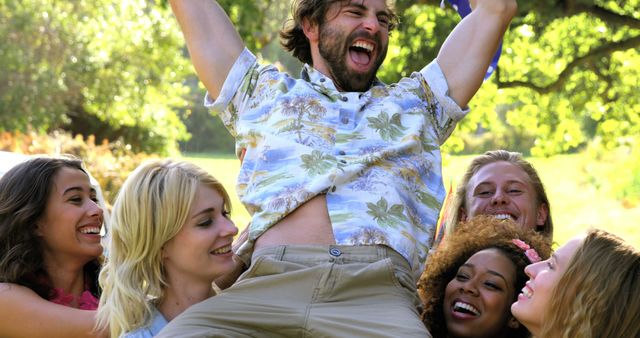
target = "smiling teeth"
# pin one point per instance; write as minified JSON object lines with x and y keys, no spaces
{"x":222,"y":250}
{"x":503,"y":216}
{"x":464,"y":306}
{"x":364,"y":45}
{"x":90,"y":230}
{"x":526,"y":292}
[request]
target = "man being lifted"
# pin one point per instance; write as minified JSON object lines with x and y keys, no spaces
{"x":340,"y":172}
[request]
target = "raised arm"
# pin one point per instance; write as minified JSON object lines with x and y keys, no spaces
{"x":25,"y":314}
{"x":212,"y":40}
{"x":467,"y":52}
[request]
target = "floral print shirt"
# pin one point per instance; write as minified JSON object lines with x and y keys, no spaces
{"x":374,"y":154}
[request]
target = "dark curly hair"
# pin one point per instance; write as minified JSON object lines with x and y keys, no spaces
{"x":479,"y":233}
{"x":292,"y":35}
{"x":24,"y":191}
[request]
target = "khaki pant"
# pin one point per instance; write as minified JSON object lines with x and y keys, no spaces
{"x":312,"y":291}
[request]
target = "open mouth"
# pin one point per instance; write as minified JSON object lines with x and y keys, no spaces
{"x":465,"y":308}
{"x":360,"y":52}
{"x":505,"y":216}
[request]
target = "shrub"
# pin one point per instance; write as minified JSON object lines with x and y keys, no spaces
{"x":616,"y":171}
{"x":108,"y":163}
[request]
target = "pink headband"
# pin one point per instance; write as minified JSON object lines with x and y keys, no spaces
{"x":531,"y":253}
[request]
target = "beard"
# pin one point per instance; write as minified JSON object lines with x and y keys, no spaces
{"x":334,"y":48}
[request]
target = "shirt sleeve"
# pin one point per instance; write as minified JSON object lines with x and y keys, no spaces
{"x":449,"y":111}
{"x":235,"y":90}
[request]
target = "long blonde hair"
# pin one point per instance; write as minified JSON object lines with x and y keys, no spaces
{"x":597,"y":296}
{"x":152,"y":205}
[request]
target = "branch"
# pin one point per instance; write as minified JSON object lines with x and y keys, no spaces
{"x":606,"y":15}
{"x":605,"y":50}
{"x":608,"y":81}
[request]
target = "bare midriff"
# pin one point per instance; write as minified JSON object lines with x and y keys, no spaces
{"x":308,"y":224}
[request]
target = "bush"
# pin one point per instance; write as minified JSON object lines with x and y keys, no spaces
{"x":114,"y":69}
{"x":208,"y":134}
{"x":616,"y":171}
{"x":108,"y":163}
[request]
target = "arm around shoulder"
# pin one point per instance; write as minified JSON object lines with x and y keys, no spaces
{"x":25,"y":314}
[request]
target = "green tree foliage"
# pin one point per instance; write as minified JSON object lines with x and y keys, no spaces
{"x":569,"y":70}
{"x":569,"y":73}
{"x":118,"y":69}
{"x":258,"y":23}
{"x":111,"y":68}
{"x":209,"y":134}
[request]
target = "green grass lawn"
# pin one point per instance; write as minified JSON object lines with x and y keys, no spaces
{"x":576,"y":203}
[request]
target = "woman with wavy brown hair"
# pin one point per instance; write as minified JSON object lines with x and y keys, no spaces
{"x":50,"y":247}
{"x":588,"y":288}
{"x":474,"y":276}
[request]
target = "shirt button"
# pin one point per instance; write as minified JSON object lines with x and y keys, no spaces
{"x":341,"y":152}
{"x":333,"y":189}
{"x":345,"y":120}
{"x":335,"y":252}
{"x":322,"y":79}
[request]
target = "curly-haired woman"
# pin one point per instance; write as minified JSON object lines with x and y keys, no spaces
{"x":474,"y":276}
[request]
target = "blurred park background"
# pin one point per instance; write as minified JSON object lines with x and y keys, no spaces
{"x":111,"y":82}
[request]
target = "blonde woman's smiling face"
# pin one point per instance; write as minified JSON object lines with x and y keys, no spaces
{"x":543,"y":277}
{"x":201,"y":250}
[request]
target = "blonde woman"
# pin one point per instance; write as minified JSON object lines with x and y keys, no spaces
{"x":588,"y":289}
{"x":170,"y":238}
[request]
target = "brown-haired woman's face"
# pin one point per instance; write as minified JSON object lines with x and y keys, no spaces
{"x":71,"y":224}
{"x":504,"y":189}
{"x":477,"y":299}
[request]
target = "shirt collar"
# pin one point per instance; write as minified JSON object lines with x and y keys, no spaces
{"x":310,"y":74}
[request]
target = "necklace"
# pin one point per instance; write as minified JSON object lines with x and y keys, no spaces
{"x":86,"y":300}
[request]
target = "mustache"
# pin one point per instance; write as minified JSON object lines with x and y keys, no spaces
{"x":363,"y":34}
